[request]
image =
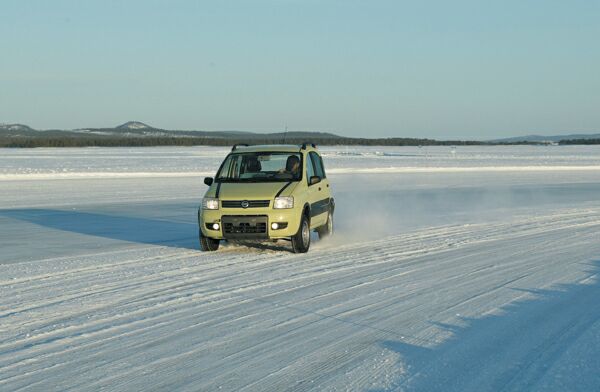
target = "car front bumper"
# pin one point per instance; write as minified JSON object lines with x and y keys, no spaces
{"x":239,"y":223}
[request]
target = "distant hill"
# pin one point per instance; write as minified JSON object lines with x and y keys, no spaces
{"x":139,"y":129}
{"x":542,"y":139}
{"x":14,"y":128}
{"x":138,"y":134}
{"x":134,"y":125}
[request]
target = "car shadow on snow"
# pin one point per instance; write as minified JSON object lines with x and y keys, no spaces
{"x":117,"y":227}
{"x":132,"y":229}
{"x":547,"y":343}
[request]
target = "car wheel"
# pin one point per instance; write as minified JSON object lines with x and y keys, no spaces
{"x":208,"y":244}
{"x":301,"y":240}
{"x":327,"y":229}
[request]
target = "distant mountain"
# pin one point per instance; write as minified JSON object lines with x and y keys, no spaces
{"x":14,"y":127}
{"x":542,"y":139}
{"x":136,"y":132}
{"x":134,"y":125}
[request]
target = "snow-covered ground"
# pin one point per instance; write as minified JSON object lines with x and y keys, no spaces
{"x":479,"y":272}
{"x":51,"y":163}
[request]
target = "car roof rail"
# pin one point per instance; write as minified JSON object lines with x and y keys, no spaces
{"x":308,"y":143}
{"x":238,"y":145}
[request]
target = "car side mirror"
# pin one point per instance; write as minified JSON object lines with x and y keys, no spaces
{"x":208,"y":181}
{"x":314,"y":180}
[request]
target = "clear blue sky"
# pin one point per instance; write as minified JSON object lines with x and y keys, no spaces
{"x":440,"y":69}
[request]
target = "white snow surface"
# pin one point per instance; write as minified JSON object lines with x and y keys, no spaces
{"x":452,"y":269}
{"x":59,"y":162}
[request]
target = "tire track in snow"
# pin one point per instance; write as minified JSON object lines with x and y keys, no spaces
{"x":234,"y":287}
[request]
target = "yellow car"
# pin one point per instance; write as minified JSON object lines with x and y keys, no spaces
{"x":268,"y":192}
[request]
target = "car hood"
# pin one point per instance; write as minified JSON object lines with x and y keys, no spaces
{"x":249,"y":190}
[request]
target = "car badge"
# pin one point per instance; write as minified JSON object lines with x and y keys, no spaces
{"x":245,"y":204}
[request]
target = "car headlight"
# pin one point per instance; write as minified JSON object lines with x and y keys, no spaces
{"x":284,"y":202}
{"x":210,"y":203}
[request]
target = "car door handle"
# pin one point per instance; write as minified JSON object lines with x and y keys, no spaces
{"x":319,"y":188}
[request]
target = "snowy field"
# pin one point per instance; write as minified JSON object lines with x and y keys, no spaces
{"x":479,"y":272}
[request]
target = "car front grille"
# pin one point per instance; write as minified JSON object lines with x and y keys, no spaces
{"x":242,"y":203}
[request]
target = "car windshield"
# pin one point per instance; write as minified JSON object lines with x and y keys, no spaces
{"x":261,"y":167}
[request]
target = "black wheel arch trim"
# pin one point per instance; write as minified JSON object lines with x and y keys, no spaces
{"x":307,"y":208}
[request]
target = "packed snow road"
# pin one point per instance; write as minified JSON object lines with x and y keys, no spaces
{"x":467,"y":281}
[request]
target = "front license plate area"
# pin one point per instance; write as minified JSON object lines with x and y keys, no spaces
{"x":245,"y":226}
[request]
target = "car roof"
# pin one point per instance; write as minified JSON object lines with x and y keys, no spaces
{"x":273,"y":148}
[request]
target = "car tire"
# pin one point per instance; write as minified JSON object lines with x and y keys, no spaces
{"x":208,"y":244}
{"x":301,"y":240}
{"x":327,"y":229}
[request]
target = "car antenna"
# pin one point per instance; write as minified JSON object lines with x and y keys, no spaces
{"x":284,"y":134}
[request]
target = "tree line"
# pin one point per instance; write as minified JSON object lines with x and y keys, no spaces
{"x":24,"y":142}
{"x":147,"y":141}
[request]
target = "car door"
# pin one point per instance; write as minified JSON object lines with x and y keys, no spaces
{"x":319,"y":192}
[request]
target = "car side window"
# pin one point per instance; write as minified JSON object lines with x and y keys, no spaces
{"x":322,"y":166}
{"x":310,"y":170}
{"x":318,"y":164}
